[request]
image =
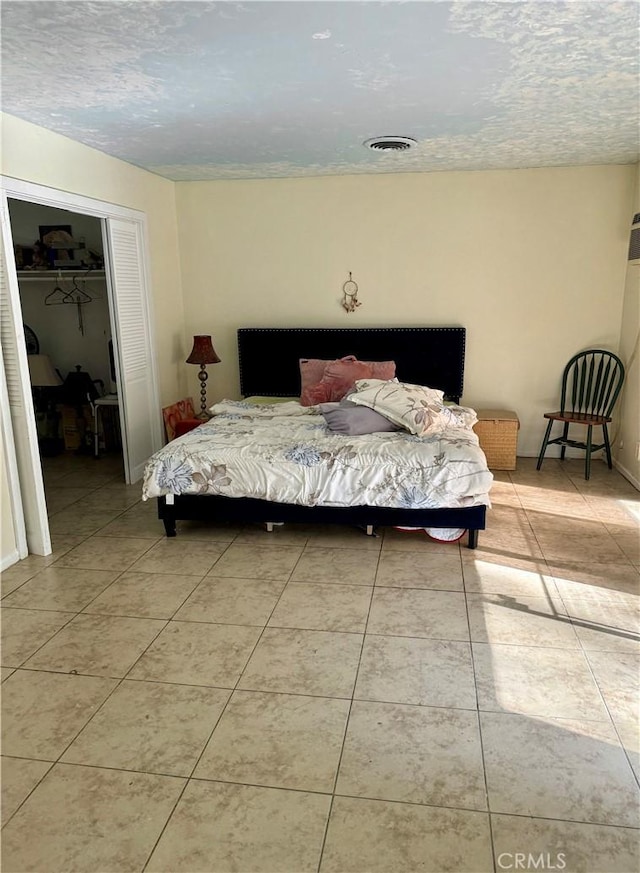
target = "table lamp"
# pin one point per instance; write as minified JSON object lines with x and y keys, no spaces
{"x":203,"y":353}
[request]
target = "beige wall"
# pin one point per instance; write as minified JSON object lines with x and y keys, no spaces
{"x":531,"y":262}
{"x":36,"y":155}
{"x":627,"y":442}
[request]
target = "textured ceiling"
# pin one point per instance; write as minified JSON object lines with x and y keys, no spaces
{"x":202,"y":90}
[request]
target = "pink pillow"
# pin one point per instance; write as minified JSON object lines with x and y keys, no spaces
{"x":311,"y":372}
{"x":339,"y":377}
{"x":329,"y":381}
{"x":384,"y":370}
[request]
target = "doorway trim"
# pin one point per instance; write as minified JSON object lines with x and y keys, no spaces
{"x":18,"y":189}
{"x":13,"y":479}
{"x":42,"y":195}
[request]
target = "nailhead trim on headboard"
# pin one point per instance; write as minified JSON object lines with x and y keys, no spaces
{"x":269,"y":357}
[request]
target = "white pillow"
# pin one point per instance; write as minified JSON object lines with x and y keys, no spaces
{"x":453,"y":415}
{"x":414,"y":407}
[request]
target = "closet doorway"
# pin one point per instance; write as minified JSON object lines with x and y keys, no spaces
{"x":55,"y":312}
{"x":60,"y":265}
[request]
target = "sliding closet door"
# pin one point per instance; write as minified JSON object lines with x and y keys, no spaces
{"x":23,"y":422}
{"x":133,"y":348}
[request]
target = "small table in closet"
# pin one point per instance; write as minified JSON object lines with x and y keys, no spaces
{"x":97,"y":404}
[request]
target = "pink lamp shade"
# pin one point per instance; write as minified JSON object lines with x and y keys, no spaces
{"x":203,"y":351}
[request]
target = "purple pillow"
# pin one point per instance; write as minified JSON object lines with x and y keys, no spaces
{"x":351,"y":420}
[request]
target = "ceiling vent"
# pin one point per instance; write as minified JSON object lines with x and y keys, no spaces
{"x":390,"y":143}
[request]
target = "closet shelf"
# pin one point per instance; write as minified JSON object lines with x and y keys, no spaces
{"x":54,"y":275}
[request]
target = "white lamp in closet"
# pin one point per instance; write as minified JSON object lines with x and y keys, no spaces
{"x":42,"y":372}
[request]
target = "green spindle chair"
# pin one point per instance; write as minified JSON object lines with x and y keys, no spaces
{"x":591,"y":383}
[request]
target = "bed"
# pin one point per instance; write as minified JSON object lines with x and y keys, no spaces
{"x":269,"y":366}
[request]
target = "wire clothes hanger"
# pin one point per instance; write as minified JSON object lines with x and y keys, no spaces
{"x":81,"y":297}
{"x":58,"y":296}
{"x":76,"y":295}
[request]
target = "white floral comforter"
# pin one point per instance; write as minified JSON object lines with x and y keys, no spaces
{"x":284,"y":453}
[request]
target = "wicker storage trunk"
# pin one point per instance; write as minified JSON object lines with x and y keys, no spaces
{"x":497,"y":430}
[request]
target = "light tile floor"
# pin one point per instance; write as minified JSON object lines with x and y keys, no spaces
{"x":317,"y":700}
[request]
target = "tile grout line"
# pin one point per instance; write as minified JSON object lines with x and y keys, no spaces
{"x":623,"y":747}
{"x":74,"y":614}
{"x":97,"y":533}
{"x":189,"y":778}
{"x":82,"y":541}
{"x":102,"y":704}
{"x":348,"y":718}
{"x":40,"y":780}
{"x":480,"y":738}
{"x":412,"y":803}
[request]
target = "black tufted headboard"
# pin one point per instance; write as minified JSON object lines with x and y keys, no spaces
{"x":269,"y":357}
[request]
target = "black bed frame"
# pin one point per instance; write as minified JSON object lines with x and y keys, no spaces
{"x":269,"y":365}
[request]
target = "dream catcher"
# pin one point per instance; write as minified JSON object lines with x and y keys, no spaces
{"x":350,"y":300}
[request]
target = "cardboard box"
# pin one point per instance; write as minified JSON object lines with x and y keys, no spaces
{"x":77,"y":426}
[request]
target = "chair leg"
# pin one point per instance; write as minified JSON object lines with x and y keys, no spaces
{"x":587,"y":463}
{"x":543,"y":448}
{"x":607,"y":445}
{"x":565,"y":434}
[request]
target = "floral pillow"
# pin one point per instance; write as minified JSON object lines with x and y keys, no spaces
{"x":415,"y":408}
{"x":453,"y":415}
{"x":330,"y":381}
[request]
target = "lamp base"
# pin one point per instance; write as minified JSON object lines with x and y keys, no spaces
{"x":203,"y":415}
